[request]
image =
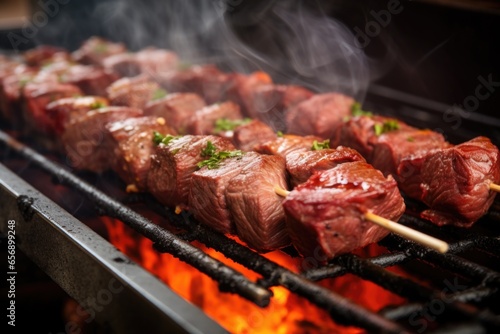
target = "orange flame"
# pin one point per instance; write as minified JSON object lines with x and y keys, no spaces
{"x":287,"y":312}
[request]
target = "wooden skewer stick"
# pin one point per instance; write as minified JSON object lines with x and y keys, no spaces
{"x":402,"y":230}
{"x":495,"y":187}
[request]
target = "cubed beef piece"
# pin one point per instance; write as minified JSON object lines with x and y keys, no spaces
{"x":270,"y":102}
{"x":154,"y":62}
{"x":250,"y":135}
{"x":86,"y":141}
{"x":132,"y":146}
{"x":43,"y":54}
{"x":94,"y":50}
{"x":177,"y":108}
{"x":36,"y":98}
{"x":60,"y":113}
{"x":302,"y":165}
{"x":133,"y":92}
{"x":204,"y":119}
{"x":122,"y":64}
{"x":321,"y":115}
{"x":391,"y":147}
{"x":10,"y":95}
{"x":454,"y":182}
{"x":92,"y":80}
{"x":207,"y":199}
{"x":287,"y":144}
{"x":254,"y":205}
{"x":360,"y":132}
{"x":240,"y":89}
{"x":169,"y":177}
{"x":325,"y":215}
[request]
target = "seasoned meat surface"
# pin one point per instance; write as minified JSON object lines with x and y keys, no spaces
{"x":177,"y":108}
{"x":320,"y":115}
{"x":287,"y":144}
{"x":133,"y":92}
{"x":256,"y":208}
{"x":172,"y":165}
{"x":302,"y":165}
{"x":203,"y":120}
{"x":248,"y":136}
{"x":132,"y":145}
{"x":63,"y":111}
{"x":207,"y":198}
{"x":325,"y":215}
{"x":86,"y":140}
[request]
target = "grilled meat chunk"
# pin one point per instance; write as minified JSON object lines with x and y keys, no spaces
{"x":95,"y":49}
{"x":172,"y":164}
{"x":92,"y":80}
{"x":302,"y":165}
{"x":321,"y":115}
{"x":252,"y":134}
{"x":259,"y":215}
{"x":269,"y":103}
{"x":132,"y":145}
{"x":202,"y":122}
{"x":42,"y":54}
{"x":59,"y":113}
{"x":38,"y":95}
{"x":86,"y":142}
{"x":325,"y":215}
{"x":287,"y":144}
{"x":133,"y":92}
{"x":454,"y":182}
{"x":177,"y":108}
{"x":241,"y":87}
{"x":207,"y":199}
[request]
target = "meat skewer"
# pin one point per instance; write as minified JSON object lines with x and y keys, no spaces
{"x":253,"y":92}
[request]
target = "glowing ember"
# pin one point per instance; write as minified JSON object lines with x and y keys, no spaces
{"x":287,"y":312}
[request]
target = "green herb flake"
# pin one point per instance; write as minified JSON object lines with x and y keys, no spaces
{"x":279,"y":134}
{"x":97,"y":105}
{"x":182,"y":66}
{"x":357,"y":111}
{"x":101,"y":48}
{"x":209,"y":150}
{"x":320,"y":145}
{"x":159,"y":94}
{"x":158,"y":138}
{"x":387,"y":126}
{"x":215,"y":159}
{"x":225,"y":124}
{"x":410,"y":139}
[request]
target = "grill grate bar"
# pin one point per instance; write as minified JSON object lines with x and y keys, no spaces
{"x":409,"y":289}
{"x":228,"y":278}
{"x":448,"y":261}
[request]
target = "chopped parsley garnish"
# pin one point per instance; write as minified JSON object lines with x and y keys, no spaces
{"x":410,"y":139}
{"x":97,"y":105}
{"x":209,"y":150}
{"x":182,"y":66}
{"x":357,"y":111}
{"x":24,"y":81}
{"x":225,"y":124}
{"x":158,"y":138}
{"x":279,"y":134}
{"x":215,"y":158}
{"x":387,"y":126}
{"x":320,"y":145}
{"x":159,"y":94}
{"x":101,"y":48}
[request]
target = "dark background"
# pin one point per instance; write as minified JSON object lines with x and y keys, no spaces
{"x":430,"y":50}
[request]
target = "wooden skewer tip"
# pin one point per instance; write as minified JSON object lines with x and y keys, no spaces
{"x":409,"y":233}
{"x":495,"y":187}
